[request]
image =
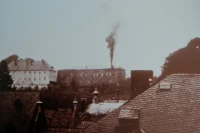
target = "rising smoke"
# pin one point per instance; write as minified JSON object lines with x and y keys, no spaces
{"x":111,"y":43}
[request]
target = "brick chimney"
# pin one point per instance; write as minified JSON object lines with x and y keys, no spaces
{"x":140,"y":81}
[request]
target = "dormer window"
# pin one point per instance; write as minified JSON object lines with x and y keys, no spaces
{"x":164,"y":86}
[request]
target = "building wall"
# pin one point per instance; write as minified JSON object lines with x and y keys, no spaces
{"x":53,"y":75}
{"x":32,"y":78}
{"x":88,"y":77}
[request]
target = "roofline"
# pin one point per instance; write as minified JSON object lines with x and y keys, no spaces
{"x":32,"y":70}
{"x":87,"y":69}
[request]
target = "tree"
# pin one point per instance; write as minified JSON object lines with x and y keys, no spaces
{"x":184,"y":60}
{"x":5,"y":78}
{"x":11,"y":58}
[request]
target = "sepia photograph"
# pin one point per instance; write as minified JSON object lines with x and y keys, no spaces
{"x":99,"y":66}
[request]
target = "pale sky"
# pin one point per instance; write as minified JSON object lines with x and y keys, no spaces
{"x":72,"y":33}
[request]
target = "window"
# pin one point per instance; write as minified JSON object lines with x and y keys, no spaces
{"x":39,"y":72}
{"x":39,"y":78}
{"x":35,"y":72}
{"x":164,"y":86}
{"x":34,"y":78}
{"x":29,"y":72}
{"x":24,"y":78}
{"x":44,"y":78}
{"x":94,"y":74}
{"x":102,"y":74}
{"x":44,"y":71}
{"x":29,"y":78}
{"x":24,"y":72}
{"x":107,"y":74}
{"x":81,"y":74}
{"x":86,"y":74}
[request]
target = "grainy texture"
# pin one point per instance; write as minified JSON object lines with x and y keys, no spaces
{"x":173,"y":111}
{"x":7,"y":100}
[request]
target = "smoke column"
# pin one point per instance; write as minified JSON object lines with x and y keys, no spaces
{"x":111,"y":43}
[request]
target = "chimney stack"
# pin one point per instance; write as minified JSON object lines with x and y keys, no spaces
{"x":140,"y":81}
{"x":75,"y":102}
{"x":95,"y":98}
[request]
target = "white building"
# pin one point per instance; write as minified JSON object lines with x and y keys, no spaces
{"x":31,"y":74}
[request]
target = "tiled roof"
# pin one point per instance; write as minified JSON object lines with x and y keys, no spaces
{"x":173,"y":111}
{"x":7,"y":100}
{"x":88,"y":69}
{"x":22,"y":65}
{"x":128,"y":113}
{"x":61,"y":121}
{"x":58,"y":119}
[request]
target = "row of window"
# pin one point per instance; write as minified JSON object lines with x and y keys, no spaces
{"x":31,"y":84}
{"x":34,"y":78}
{"x":31,"y":72}
{"x":88,"y":82}
{"x":96,"y":74}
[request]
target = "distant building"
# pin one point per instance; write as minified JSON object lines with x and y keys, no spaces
{"x":88,"y":77}
{"x":31,"y":74}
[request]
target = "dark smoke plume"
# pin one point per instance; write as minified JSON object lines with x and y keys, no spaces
{"x":111,"y":43}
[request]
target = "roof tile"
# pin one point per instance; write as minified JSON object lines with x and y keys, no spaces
{"x":177,"y":110}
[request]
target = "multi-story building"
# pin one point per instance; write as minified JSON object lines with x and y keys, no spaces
{"x":31,"y":74}
{"x":88,"y":77}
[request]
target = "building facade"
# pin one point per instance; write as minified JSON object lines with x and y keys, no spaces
{"x":88,"y":77}
{"x":31,"y":74}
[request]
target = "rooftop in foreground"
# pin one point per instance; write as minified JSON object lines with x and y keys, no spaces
{"x":173,"y":110}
